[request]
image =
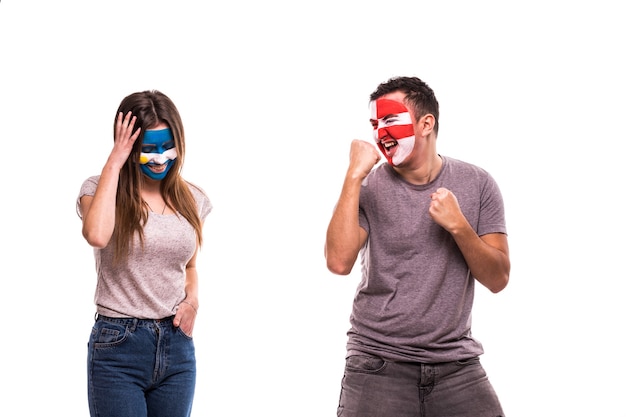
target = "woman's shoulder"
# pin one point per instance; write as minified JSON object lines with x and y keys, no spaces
{"x":89,"y":185}
{"x":196,"y":190}
{"x":202,"y":199}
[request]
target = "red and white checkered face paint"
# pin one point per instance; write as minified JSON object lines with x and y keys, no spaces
{"x":393,"y":129}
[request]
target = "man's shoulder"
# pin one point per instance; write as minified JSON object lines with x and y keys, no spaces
{"x":458,"y":165}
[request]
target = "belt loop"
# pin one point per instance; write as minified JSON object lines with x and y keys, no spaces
{"x":95,"y":316}
{"x":133,"y":327}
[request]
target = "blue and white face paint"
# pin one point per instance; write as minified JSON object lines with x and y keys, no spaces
{"x":157,"y":153}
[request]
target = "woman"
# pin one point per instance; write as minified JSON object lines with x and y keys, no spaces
{"x":145,"y":224}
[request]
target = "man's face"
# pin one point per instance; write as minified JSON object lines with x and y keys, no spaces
{"x":393,"y":129}
{"x":157,"y":153}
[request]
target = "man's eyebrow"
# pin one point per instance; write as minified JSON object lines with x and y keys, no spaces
{"x":389,"y":116}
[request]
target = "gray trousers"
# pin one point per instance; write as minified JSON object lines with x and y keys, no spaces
{"x":373,"y":387}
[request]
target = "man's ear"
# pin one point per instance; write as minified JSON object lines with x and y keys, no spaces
{"x":428,"y":124}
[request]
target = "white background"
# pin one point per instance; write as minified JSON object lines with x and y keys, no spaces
{"x":271,"y":94}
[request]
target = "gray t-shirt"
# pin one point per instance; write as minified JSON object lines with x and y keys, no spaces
{"x":151,"y":283}
{"x":415,"y":298}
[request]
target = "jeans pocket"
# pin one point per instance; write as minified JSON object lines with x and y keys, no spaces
{"x":106,"y":334}
{"x":365,"y":364}
{"x":182,"y":332}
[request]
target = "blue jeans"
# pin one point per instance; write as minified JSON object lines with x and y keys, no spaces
{"x":140,"y":368}
{"x":374,"y":387}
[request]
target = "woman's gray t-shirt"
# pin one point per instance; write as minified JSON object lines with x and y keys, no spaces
{"x":151,"y":283}
{"x":415,"y":299}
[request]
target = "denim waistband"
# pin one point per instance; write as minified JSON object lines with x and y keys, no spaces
{"x":132,"y":320}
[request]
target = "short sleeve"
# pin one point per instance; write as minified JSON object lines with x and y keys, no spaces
{"x":88,"y":188}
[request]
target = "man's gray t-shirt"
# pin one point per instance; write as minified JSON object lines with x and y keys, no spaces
{"x":415,"y":298}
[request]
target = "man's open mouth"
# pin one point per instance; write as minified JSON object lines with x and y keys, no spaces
{"x":389,"y":144}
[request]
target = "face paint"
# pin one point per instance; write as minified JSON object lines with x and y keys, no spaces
{"x":393,"y":129}
{"x":157,"y":151}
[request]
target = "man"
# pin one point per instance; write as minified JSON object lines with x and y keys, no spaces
{"x":426,"y":227}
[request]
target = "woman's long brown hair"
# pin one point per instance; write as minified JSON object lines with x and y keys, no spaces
{"x":151,"y":108}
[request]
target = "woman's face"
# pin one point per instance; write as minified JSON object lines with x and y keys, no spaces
{"x":157,"y":152}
